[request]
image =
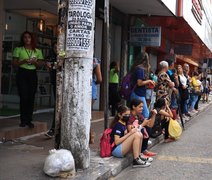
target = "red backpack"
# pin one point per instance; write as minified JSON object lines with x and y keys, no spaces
{"x":105,"y":146}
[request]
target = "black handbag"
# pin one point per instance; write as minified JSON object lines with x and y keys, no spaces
{"x":156,"y":129}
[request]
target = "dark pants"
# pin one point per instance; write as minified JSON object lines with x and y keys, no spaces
{"x":165,"y":125}
{"x":183,"y":106}
{"x":113,"y":97}
{"x":27,"y":86}
{"x":54,"y":93}
{"x":145,"y":141}
{"x":197,"y":103}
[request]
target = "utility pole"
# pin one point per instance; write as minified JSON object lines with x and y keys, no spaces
{"x":75,"y":112}
{"x":106,"y":61}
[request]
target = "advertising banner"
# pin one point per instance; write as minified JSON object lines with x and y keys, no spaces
{"x":80,"y":25}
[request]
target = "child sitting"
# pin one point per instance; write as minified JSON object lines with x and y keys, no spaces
{"x":126,"y":141}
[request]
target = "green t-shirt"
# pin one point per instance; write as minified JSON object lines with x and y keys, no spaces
{"x":114,"y":78}
{"x":21,"y":54}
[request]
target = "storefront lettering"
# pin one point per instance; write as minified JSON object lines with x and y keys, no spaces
{"x":197,"y":10}
{"x":144,"y":30}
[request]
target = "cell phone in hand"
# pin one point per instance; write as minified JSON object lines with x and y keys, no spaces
{"x":135,"y":124}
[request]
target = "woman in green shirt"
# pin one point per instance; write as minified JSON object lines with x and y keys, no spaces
{"x":26,"y":59}
{"x":114,"y":98}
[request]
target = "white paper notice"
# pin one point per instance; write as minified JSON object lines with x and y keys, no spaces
{"x":80,"y":25}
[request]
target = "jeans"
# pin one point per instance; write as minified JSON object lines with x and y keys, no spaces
{"x":174,"y":104}
{"x":185,"y":107}
{"x":194,"y":98}
{"x":197,"y":102}
{"x":145,"y":111}
{"x":94,"y":90}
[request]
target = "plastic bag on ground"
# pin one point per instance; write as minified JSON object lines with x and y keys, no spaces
{"x":59,"y":163}
{"x":175,"y":129}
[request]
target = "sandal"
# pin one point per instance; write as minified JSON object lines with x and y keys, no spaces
{"x":169,"y":140}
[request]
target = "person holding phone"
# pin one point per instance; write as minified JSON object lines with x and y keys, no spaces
{"x":137,"y":120}
{"x":26,"y":59}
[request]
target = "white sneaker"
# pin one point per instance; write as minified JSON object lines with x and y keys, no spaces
{"x":193,"y":112}
{"x":149,"y":143}
{"x":186,"y":118}
{"x":145,"y":158}
{"x":139,"y":163}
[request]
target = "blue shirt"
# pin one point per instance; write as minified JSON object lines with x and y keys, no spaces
{"x":170,"y":72}
{"x":118,"y":130}
{"x":139,"y":90}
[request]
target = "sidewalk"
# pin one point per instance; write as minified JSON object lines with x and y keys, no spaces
{"x":23,"y":158}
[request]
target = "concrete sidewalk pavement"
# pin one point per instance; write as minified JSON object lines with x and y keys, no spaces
{"x":23,"y":158}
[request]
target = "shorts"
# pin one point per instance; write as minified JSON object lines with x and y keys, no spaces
{"x":149,"y":93}
{"x":94,"y":90}
{"x":117,"y":152}
{"x":206,"y":90}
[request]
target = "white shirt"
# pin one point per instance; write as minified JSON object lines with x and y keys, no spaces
{"x":183,"y":79}
{"x":200,"y":84}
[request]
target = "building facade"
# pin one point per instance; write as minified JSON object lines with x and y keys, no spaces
{"x":184,"y":32}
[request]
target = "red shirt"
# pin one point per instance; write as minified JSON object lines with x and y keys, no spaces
{"x":140,"y":119}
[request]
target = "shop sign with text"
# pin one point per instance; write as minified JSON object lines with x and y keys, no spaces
{"x":145,"y":36}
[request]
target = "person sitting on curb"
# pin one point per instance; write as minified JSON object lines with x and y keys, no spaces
{"x":165,"y":114}
{"x":136,"y":107}
{"x":124,"y":141}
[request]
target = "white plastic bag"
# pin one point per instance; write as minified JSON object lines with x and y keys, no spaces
{"x":59,"y":163}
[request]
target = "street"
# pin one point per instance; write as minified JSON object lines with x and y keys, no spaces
{"x":188,"y":158}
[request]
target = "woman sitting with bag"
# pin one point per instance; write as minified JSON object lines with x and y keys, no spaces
{"x":126,"y":141}
{"x":165,"y":114}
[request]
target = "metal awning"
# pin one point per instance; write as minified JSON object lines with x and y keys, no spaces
{"x":144,"y":7}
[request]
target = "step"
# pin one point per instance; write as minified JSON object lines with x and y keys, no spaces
{"x":13,"y":132}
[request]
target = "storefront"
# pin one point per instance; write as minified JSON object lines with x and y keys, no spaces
{"x":185,"y":31}
{"x":187,"y":35}
{"x":40,"y":18}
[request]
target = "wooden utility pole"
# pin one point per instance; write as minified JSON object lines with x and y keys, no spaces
{"x":75,"y":106}
{"x":106,"y":61}
{"x":62,"y":21}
